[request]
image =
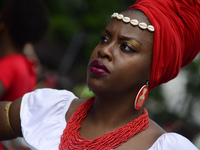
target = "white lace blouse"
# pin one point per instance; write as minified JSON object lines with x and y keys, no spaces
{"x":42,"y":116}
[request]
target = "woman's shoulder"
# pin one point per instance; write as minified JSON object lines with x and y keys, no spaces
{"x":157,"y":139}
{"x":46,"y":99}
{"x":155,"y":130}
{"x":38,"y":102}
{"x":49,"y":95}
{"x":144,"y":139}
{"x":14,"y":57}
{"x":150,"y":135}
{"x":74,"y":105}
{"x":42,"y":115}
{"x":168,"y":141}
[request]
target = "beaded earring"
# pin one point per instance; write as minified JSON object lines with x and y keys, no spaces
{"x":141,"y":97}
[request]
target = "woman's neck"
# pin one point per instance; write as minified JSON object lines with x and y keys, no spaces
{"x":7,"y":46}
{"x":7,"y":51}
{"x":113,"y":111}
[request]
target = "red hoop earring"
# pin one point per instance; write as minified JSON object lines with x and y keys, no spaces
{"x":141,"y":97}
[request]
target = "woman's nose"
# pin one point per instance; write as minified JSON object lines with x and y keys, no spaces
{"x":106,"y":52}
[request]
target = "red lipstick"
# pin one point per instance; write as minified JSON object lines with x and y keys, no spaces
{"x":97,"y":68}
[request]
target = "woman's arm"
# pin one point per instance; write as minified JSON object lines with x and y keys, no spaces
{"x":12,"y":116}
{"x":2,"y":89}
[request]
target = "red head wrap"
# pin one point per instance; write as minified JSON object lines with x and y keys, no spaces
{"x":176,"y":35}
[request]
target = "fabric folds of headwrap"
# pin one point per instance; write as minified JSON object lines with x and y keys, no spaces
{"x":176,"y":36}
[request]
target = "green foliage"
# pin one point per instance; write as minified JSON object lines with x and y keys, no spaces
{"x":88,"y":16}
{"x":193,"y":84}
{"x":156,"y":94}
{"x":81,"y":90}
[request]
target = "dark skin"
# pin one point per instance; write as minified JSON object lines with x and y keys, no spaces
{"x":127,"y":52}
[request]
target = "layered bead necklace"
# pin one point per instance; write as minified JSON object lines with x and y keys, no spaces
{"x":71,"y":139}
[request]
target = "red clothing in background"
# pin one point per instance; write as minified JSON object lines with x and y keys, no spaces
{"x":18,"y":76}
{"x":1,"y":146}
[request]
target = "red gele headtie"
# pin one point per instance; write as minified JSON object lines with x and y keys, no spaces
{"x":176,"y":35}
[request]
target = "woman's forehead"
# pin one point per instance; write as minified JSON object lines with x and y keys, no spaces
{"x":120,"y":28}
{"x":136,"y":14}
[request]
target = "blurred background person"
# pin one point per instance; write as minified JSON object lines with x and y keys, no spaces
{"x":22,"y":23}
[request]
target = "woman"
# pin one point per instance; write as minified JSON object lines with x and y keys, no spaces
{"x":127,"y":63}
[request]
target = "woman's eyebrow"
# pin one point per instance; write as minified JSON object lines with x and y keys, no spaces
{"x":108,"y":32}
{"x":125,"y":38}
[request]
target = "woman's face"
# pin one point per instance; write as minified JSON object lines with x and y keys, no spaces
{"x":121,"y":62}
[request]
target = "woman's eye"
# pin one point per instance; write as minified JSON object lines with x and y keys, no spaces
{"x":103,"y":39}
{"x":127,"y":47}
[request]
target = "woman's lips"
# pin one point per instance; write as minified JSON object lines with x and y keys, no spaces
{"x":98,"y":68}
